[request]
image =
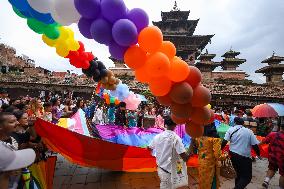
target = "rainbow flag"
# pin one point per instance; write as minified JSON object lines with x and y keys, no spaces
{"x":77,"y":123}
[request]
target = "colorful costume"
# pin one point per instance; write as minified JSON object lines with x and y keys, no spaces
{"x":209,"y":152}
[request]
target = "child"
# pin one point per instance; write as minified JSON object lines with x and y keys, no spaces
{"x":47,"y":115}
{"x":132,"y":116}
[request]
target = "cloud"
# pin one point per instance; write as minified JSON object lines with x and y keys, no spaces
{"x":255,"y":28}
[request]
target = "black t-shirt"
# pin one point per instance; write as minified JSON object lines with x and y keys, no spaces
{"x":21,"y":138}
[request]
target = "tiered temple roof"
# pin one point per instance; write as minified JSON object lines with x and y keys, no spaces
{"x":230,"y":61}
{"x":274,"y":71}
{"x":178,"y":29}
{"x":206,"y":64}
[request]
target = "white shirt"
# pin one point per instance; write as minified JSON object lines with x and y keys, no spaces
{"x":163,"y":145}
{"x":241,"y":141}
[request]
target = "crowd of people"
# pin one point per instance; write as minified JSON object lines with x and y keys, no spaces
{"x":19,"y":138}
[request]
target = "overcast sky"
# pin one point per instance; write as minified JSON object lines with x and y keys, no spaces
{"x":253,"y":27}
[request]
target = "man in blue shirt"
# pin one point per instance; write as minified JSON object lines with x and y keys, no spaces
{"x":241,"y":141}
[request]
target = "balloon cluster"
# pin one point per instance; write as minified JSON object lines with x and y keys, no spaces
{"x":129,"y":38}
{"x":64,"y":43}
{"x":98,"y":72}
{"x":80,"y":58}
{"x":122,"y":93}
{"x":109,"y":22}
{"x":110,"y":99}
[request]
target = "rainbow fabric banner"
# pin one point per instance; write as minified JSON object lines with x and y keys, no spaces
{"x":136,"y":136}
{"x":77,"y":123}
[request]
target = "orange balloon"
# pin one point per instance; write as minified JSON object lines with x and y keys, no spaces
{"x":178,"y":120}
{"x":150,"y":39}
{"x":201,"y":96}
{"x":181,"y":110}
{"x":116,"y":102}
{"x":194,"y":130}
{"x":107,"y":101}
{"x":179,"y":70}
{"x":195,"y":77}
{"x":157,"y":65}
{"x":201,"y":115}
{"x":135,"y":57}
{"x":164,"y":100}
{"x":160,"y":86}
{"x":181,"y":93}
{"x":141,"y":75}
{"x":169,"y":49}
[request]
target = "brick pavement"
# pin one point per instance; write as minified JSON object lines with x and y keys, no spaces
{"x":70,"y":176}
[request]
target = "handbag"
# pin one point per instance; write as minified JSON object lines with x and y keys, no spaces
{"x":227,"y":170}
{"x":179,"y":177}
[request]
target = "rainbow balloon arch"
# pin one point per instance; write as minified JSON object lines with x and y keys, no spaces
{"x":130,"y":38}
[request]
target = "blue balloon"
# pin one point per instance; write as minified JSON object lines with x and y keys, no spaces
{"x":45,"y":18}
{"x":21,"y":5}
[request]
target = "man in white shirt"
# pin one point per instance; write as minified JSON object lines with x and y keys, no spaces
{"x":163,"y":145}
{"x":241,"y":141}
{"x":3,"y":97}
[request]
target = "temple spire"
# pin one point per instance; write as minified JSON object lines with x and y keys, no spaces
{"x":175,"y":8}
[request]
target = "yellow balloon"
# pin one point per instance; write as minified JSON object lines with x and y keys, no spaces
{"x":64,"y":33}
{"x":49,"y":42}
{"x":62,"y":48}
{"x":73,"y":45}
{"x":209,"y":106}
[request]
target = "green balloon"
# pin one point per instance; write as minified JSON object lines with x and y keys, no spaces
{"x":112,"y":100}
{"x":36,"y":25}
{"x":18,"y":12}
{"x":52,"y":32}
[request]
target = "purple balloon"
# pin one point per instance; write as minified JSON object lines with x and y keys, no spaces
{"x":101,"y":31}
{"x":84,"y":26}
{"x":117,"y":51}
{"x":88,"y":8}
{"x":113,"y":10}
{"x":124,"y":32}
{"x":139,"y":17}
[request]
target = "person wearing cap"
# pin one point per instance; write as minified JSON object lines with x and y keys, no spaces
{"x":163,"y":145}
{"x":241,"y":141}
{"x":11,"y":160}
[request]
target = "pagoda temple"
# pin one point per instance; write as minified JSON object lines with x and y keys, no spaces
{"x":176,"y":28}
{"x":206,"y":65}
{"x":230,"y":61}
{"x":274,"y":71}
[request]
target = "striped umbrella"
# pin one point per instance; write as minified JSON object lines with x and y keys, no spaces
{"x":268,"y":110}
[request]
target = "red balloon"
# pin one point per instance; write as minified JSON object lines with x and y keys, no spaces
{"x":164,"y":100}
{"x":194,"y":130}
{"x":201,"y":115}
{"x":82,"y":48}
{"x":181,"y":110}
{"x":194,"y":77}
{"x":201,"y":96}
{"x":178,"y":120}
{"x":85,"y":64}
{"x":181,"y":93}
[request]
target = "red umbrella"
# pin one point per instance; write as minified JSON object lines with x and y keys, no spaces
{"x":264,"y":110}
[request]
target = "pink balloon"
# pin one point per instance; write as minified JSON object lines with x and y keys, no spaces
{"x":132,"y":101}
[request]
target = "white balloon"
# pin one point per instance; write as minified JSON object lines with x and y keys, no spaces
{"x":42,"y":6}
{"x":64,"y":12}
